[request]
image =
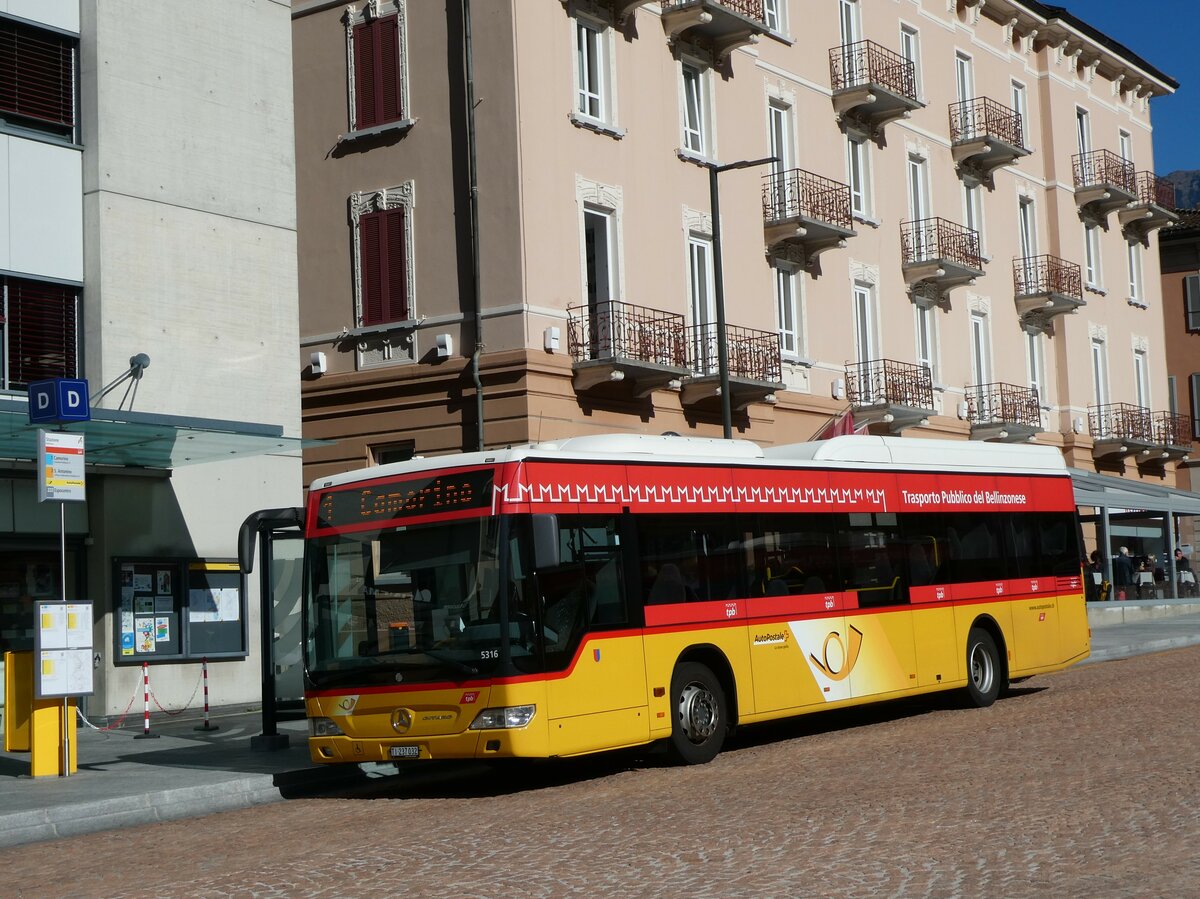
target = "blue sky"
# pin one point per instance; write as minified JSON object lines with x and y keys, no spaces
{"x":1165,"y":33}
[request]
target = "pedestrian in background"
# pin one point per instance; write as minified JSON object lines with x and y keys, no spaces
{"x":1122,"y":572}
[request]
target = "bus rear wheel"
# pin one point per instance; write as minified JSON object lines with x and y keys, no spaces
{"x":701,"y":718}
{"x":984,"y":674}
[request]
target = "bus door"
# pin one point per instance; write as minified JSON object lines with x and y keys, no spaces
{"x":287,"y":582}
{"x":596,"y":670}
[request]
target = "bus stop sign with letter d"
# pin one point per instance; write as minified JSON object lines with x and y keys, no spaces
{"x":58,"y":401}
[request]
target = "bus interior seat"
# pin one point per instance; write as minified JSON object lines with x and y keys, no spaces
{"x":777,"y":586}
{"x":813,"y":584}
{"x":668,"y":586}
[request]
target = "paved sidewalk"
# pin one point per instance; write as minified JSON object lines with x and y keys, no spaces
{"x":125,"y":781}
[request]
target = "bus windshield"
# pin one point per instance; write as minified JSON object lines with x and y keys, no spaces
{"x":407,"y":604}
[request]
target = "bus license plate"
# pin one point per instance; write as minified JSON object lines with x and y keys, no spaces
{"x":406,"y":752}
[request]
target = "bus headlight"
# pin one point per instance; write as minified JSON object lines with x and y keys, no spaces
{"x":324,"y":727}
{"x":510,"y":716}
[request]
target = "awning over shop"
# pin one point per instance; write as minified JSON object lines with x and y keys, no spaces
{"x":145,"y":439}
{"x":1105,"y":491}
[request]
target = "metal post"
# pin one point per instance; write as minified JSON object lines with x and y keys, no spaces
{"x":719,"y":283}
{"x":719,"y":290}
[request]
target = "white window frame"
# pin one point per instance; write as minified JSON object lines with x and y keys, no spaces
{"x":1141,"y":378}
{"x":1035,"y":364}
{"x":593,"y":44}
{"x":925,"y":333}
{"x":696,"y":115}
{"x":865,"y":322}
{"x":702,"y":299}
{"x":1092,"y":271}
{"x":973,"y":213}
{"x":917,"y":181}
{"x":789,"y":309}
{"x":1125,"y":145}
{"x":775,"y":15}
{"x":1137,"y":294}
{"x":378,"y":9}
{"x":1099,"y":372}
{"x":1083,"y":130}
{"x":1194,"y":390}
{"x":1027,"y":238}
{"x":964,"y":76}
{"x":1020,"y":103}
{"x":858,"y":176}
{"x":981,"y":349}
{"x":850,"y":21}
{"x":910,"y":49}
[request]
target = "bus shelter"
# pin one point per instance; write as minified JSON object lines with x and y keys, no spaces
{"x":1150,"y":519}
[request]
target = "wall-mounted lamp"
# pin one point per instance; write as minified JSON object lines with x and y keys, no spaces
{"x":319,"y":363}
{"x":551,"y":339}
{"x":444,"y":345}
{"x":962,"y":410}
{"x":1077,"y":424}
{"x":838,"y":388}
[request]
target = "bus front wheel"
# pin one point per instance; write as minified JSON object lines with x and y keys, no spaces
{"x":701,"y":717}
{"x":984,"y":673}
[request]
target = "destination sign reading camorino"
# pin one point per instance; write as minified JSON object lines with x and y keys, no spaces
{"x":406,"y":499}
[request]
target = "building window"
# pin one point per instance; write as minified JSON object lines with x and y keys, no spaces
{"x":1026,"y":227}
{"x":39,"y":332}
{"x":964,"y":76}
{"x":702,"y":301}
{"x":973,"y":211}
{"x":377,"y":57}
{"x":392,"y":452}
{"x":981,"y":349}
{"x":865,"y":342}
{"x":1020,"y":106}
{"x":1099,"y":372}
{"x":1091,"y":253}
{"x":1125,"y":144}
{"x":926,"y":329}
{"x":1035,"y":361}
{"x":1194,"y":387}
{"x":1141,"y":379}
{"x":858,"y":168}
{"x":775,"y":15}
{"x":37,"y":79}
{"x":848,"y":21}
{"x":910,"y":49}
{"x":1191,"y":301}
{"x":600,"y":256}
{"x":383,"y":230}
{"x":1134,"y":256}
{"x":1083,"y":130}
{"x":787,"y":311}
{"x":592,"y":73}
{"x":697,"y":130}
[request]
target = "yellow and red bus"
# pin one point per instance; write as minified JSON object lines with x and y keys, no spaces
{"x":603,"y":592}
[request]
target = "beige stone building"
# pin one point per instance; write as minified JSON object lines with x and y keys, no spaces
{"x":506,"y":208}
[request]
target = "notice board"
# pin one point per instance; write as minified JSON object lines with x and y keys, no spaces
{"x":174,"y":609}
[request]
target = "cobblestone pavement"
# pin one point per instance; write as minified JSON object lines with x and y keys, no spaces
{"x":1084,"y":783}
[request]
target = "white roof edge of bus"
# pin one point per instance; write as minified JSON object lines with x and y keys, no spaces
{"x":915,"y":452}
{"x":908,"y":452}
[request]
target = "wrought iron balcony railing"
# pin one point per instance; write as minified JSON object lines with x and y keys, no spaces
{"x":1121,"y":421}
{"x":983,"y":117}
{"x":617,"y":330}
{"x":1172,"y":429}
{"x":1038,"y":275}
{"x":887,"y":382}
{"x":751,"y":9}
{"x":867,"y":63}
{"x":936,"y":238}
{"x":1007,"y":403}
{"x":1154,"y":191}
{"x":753,"y":355}
{"x":797,"y":193}
{"x":1102,"y":167}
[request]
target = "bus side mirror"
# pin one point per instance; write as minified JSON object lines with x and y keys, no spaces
{"x":545,"y":541}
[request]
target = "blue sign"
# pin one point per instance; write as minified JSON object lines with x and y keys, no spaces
{"x":58,"y":401}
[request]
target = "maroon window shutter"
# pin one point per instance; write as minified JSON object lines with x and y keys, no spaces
{"x":384,"y":263}
{"x":43,"y":335}
{"x":365,"y":111}
{"x":371,"y":250}
{"x":37,"y":76}
{"x":397,"y":267}
{"x":387,"y":33}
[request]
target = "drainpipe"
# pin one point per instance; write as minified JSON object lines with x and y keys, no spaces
{"x":474,"y":179}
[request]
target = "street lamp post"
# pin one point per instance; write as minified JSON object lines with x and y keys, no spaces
{"x":719,"y":285}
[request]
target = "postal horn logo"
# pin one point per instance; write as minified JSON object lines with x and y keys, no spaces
{"x":842,"y":664}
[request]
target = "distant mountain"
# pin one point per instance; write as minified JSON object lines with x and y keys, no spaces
{"x":1187,"y":188}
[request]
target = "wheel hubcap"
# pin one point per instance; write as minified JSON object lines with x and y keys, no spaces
{"x":982,"y":671}
{"x":697,"y":712}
